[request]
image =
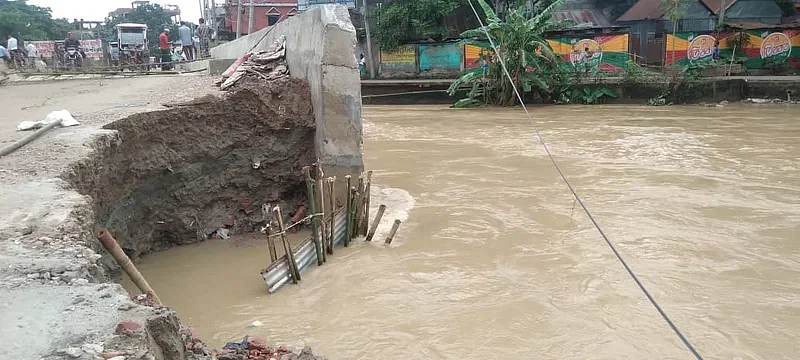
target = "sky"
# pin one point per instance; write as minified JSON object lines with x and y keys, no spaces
{"x":97,"y":10}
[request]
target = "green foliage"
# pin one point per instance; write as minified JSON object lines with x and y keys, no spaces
{"x":661,"y":99}
{"x":30,"y":22}
{"x":695,"y":70}
{"x":588,"y":96}
{"x":634,"y":73}
{"x":156,"y":19}
{"x":530,"y":61}
{"x":402,"y":21}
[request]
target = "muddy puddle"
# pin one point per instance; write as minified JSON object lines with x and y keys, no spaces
{"x":495,"y":262}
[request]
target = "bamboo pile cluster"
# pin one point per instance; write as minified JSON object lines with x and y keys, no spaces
{"x":329,"y":225}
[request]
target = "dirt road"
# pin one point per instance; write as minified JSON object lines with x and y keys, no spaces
{"x":53,"y":302}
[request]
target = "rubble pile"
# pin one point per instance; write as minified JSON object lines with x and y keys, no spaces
{"x":257,"y":349}
{"x":268,"y":65}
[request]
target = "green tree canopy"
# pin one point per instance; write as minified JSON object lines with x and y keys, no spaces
{"x":29,"y":22}
{"x":152,"y":15}
{"x":402,"y":21}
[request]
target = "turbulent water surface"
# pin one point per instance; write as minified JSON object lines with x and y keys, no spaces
{"x":495,"y":261}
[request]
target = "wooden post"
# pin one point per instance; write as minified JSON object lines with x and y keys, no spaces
{"x":348,"y":216}
{"x":352,"y":215}
{"x":321,"y":206}
{"x":126,"y":264}
{"x":375,"y":222}
{"x":348,"y":213}
{"x":287,"y":247}
{"x":332,"y":200}
{"x":359,"y":206}
{"x":312,"y":205}
{"x":391,"y":233}
{"x":367,"y":194}
{"x":273,"y":253}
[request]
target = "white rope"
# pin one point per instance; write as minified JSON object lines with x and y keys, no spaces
{"x":578,"y":199}
{"x":264,"y":229}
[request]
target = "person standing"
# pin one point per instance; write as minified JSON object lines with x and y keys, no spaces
{"x":187,"y":43}
{"x":163,"y":45}
{"x":203,"y":32}
{"x":33,"y":53}
{"x":11,"y":46}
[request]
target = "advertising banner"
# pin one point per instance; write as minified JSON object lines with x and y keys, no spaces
{"x":92,"y":48}
{"x":403,"y":57}
{"x":45,"y":48}
{"x":762,"y":47}
{"x":606,"y":53}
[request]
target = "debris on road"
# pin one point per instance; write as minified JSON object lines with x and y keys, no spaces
{"x":257,"y":349}
{"x":269,"y":65}
{"x":63,"y":116}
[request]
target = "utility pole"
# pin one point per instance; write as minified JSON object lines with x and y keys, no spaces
{"x":723,"y":5}
{"x":239,"y":19}
{"x":369,"y":40}
{"x":250,"y":19}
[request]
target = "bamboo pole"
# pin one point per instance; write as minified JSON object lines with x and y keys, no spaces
{"x":332,"y":200}
{"x":348,"y":216}
{"x":321,"y":207}
{"x":273,"y":253}
{"x":352,"y":214}
{"x":367,"y":194}
{"x":348,"y":213}
{"x":312,"y":205}
{"x":375,"y":222}
{"x":287,"y":247}
{"x":393,"y":232}
{"x":21,"y":142}
{"x":359,"y":206}
{"x":126,"y":264}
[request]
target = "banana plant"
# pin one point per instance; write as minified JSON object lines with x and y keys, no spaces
{"x":531,"y":63}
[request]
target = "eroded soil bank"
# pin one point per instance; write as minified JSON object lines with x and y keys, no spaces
{"x":176,"y":176}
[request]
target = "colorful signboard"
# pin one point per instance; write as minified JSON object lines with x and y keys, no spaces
{"x":303,"y":5}
{"x":45,"y":48}
{"x":607,"y":53}
{"x":92,"y":48}
{"x":445,"y":57}
{"x":764,"y":46}
{"x":401,"y":58}
{"x":472,"y":55}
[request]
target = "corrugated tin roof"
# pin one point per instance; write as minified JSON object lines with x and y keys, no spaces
{"x":582,"y":17}
{"x":643,"y":10}
{"x":716,"y":5}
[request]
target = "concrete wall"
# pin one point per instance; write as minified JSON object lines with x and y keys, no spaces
{"x":319,"y":49}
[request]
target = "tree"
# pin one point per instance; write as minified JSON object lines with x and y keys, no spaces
{"x":674,"y":9}
{"x":30,"y":22}
{"x":405,"y":20}
{"x":152,"y":15}
{"x":528,"y":57}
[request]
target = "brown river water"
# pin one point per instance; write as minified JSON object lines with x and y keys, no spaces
{"x":494,"y":260}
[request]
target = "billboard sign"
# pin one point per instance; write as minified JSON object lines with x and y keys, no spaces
{"x":303,"y":5}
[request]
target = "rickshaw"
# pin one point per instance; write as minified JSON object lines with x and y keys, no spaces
{"x":132,"y":47}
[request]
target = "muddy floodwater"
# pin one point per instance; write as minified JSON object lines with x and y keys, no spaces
{"x":495,"y":261}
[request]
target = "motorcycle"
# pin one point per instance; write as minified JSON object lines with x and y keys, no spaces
{"x":73,"y":58}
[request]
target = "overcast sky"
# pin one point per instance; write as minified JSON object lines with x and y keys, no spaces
{"x":97,"y":10}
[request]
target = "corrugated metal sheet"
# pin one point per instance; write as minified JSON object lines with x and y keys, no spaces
{"x":643,"y":10}
{"x":277,"y":274}
{"x":582,"y":17}
{"x":716,"y":5}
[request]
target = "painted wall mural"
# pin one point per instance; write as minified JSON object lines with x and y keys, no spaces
{"x":766,"y":47}
{"x":606,"y":53}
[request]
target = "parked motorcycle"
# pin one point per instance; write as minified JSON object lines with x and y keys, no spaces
{"x":73,"y":58}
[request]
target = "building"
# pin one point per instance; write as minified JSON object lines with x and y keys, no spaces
{"x":649,"y":22}
{"x":265,"y":13}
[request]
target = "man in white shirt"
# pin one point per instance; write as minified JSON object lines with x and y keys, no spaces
{"x":33,"y":52}
{"x":12,"y":43}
